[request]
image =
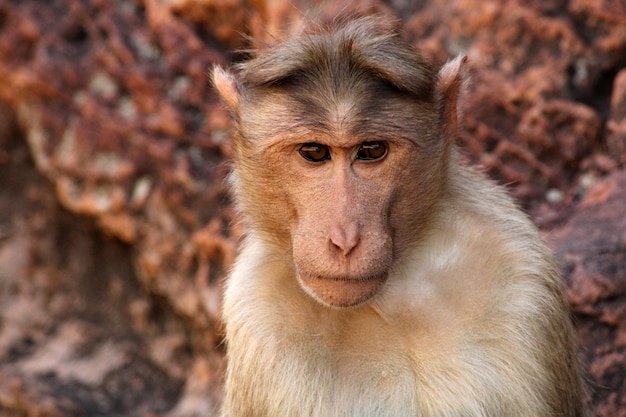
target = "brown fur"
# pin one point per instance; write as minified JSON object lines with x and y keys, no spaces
{"x":405,"y":286}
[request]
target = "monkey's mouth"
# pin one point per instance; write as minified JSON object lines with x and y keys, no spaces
{"x":341,"y":291}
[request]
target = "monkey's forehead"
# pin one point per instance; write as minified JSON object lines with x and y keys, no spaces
{"x":339,"y":54}
{"x":304,"y":115}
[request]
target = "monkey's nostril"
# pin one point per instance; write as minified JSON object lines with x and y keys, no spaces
{"x":344,"y":238}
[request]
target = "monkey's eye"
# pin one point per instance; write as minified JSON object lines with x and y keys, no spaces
{"x":370,"y":151}
{"x":314,"y":152}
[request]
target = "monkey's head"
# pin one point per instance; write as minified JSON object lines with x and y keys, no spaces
{"x":341,"y":142}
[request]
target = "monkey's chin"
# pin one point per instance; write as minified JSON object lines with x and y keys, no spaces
{"x":341,"y":291}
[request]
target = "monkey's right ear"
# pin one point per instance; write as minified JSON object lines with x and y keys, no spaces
{"x":451,"y":81}
{"x":227,"y":86}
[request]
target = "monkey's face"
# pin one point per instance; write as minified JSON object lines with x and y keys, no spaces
{"x":343,"y":192}
{"x":342,"y":239}
{"x":339,"y":155}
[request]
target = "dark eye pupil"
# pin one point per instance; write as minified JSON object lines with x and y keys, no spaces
{"x":314,"y":152}
{"x":370,"y":151}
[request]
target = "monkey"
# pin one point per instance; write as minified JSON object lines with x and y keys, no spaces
{"x":380,"y":274}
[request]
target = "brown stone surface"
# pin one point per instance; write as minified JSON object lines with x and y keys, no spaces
{"x":591,"y":250}
{"x":115,"y":223}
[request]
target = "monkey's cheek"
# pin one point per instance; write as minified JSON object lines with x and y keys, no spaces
{"x":341,"y":292}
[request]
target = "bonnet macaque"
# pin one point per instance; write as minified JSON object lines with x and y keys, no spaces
{"x":380,"y":276}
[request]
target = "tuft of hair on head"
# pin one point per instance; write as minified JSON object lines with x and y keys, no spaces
{"x":371,"y":44}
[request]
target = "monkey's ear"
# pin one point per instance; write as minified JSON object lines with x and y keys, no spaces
{"x":451,"y":80}
{"x":227,"y":86}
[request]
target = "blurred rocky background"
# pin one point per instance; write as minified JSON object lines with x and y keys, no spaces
{"x":116,"y":228}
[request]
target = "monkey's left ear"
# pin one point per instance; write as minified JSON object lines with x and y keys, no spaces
{"x":228,"y":88}
{"x":451,"y":81}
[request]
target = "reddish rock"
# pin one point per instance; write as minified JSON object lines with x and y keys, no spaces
{"x":591,"y":251}
{"x":616,"y":125}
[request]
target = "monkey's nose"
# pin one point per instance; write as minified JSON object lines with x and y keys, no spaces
{"x":345,"y":237}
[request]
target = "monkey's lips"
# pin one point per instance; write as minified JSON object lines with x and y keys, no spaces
{"x":342,"y":291}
